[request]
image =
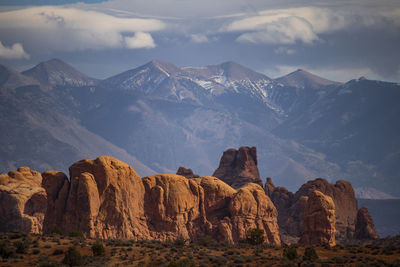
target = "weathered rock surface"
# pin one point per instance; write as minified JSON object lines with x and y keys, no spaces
{"x":188,"y":173}
{"x":365,"y":228}
{"x":23,"y":201}
{"x":345,"y":201}
{"x":291,"y":207}
{"x":319,"y":220}
{"x":105,"y":198}
{"x":239,"y":167}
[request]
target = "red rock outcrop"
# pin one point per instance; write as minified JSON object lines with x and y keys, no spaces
{"x":23,"y":201}
{"x":105,"y":198}
{"x":319,"y":220}
{"x":345,"y":201}
{"x":365,"y":228}
{"x":188,"y":173}
{"x":239,"y":167}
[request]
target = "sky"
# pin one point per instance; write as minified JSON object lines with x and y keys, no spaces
{"x":339,"y":40}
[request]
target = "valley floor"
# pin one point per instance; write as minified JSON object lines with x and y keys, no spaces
{"x":19,"y":249}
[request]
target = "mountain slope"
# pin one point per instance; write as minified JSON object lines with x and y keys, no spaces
{"x":56,"y":72}
{"x":11,"y":79}
{"x":301,"y":79}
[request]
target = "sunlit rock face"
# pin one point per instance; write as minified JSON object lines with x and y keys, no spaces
{"x":106,"y":198}
{"x":318,"y":226}
{"x":23,"y":201}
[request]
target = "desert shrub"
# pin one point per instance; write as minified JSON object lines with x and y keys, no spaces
{"x":35,"y":251}
{"x":49,"y":264}
{"x":255,"y":236}
{"x":72,"y":257}
{"x":76,"y":234}
{"x":56,"y":231}
{"x":207,"y":241}
{"x":98,"y":249}
{"x":22,"y":245}
{"x":6,"y":251}
{"x":58,"y":251}
{"x":290,"y":253}
{"x":17,"y":234}
{"x":310,"y":254}
{"x":180,"y":241}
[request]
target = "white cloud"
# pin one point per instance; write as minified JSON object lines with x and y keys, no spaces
{"x":72,"y":29}
{"x":15,"y":51}
{"x":199,"y":38}
{"x":140,"y":40}
{"x":288,"y":26}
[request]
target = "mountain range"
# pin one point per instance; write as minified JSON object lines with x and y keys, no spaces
{"x":159,"y":116}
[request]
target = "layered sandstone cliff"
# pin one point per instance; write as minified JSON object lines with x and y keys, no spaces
{"x":105,"y":198}
{"x":22,"y":201}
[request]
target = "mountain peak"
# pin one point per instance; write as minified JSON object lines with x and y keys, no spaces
{"x":55,"y":72}
{"x":166,"y":67}
{"x":301,"y":78}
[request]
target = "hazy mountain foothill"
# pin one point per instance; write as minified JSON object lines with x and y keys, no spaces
{"x":159,"y":116}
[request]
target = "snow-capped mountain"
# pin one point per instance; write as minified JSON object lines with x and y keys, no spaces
{"x":168,"y":116}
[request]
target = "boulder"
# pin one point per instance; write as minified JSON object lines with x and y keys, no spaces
{"x":319,"y":220}
{"x":365,"y":228}
{"x":239,"y":167}
{"x":188,"y":173}
{"x":23,"y":201}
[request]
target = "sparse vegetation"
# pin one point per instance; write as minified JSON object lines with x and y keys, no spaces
{"x":98,"y":249}
{"x":255,"y":236}
{"x":73,"y":257}
{"x":205,"y":252}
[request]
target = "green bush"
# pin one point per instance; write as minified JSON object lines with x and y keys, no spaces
{"x":207,"y":241}
{"x":6,"y":251}
{"x":310,"y":254}
{"x":22,"y":246}
{"x":57,"y":231}
{"x":290,"y":253}
{"x":73,"y":257}
{"x":180,"y":241}
{"x":255,"y":236}
{"x":58,"y":251}
{"x":98,"y":249}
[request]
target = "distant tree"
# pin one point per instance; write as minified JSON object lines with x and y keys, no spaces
{"x":310,"y":254}
{"x":73,"y":257}
{"x":255,"y":236}
{"x":290,"y":253}
{"x":98,"y":249}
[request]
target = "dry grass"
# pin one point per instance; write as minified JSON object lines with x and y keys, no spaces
{"x":50,"y":251}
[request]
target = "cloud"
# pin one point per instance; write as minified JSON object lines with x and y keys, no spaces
{"x":65,"y":28}
{"x":288,"y":26}
{"x":15,"y":51}
{"x":199,"y":38}
{"x":140,"y":40}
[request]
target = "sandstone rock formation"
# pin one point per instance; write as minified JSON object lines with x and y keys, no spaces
{"x":23,"y":201}
{"x":319,"y":220}
{"x":188,"y":173}
{"x":291,"y":207}
{"x":365,"y":228}
{"x":105,"y":198}
{"x":239,"y":167}
{"x":345,"y":201}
